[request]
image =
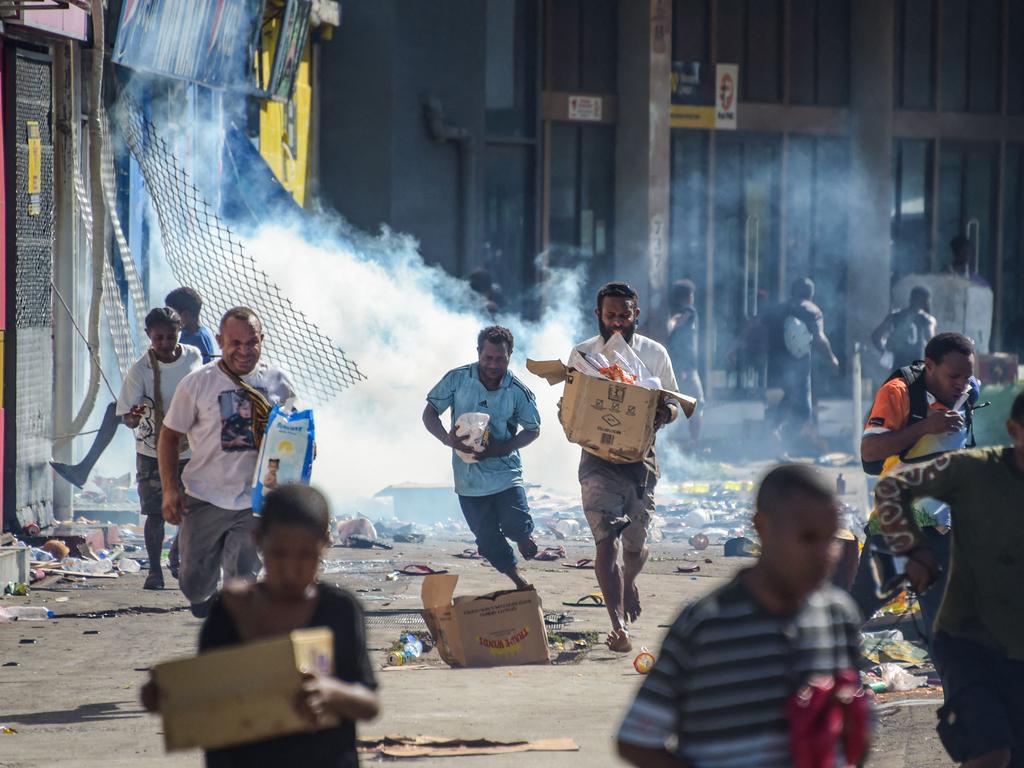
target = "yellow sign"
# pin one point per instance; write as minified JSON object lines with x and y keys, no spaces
{"x":691,"y":116}
{"x":35,"y":149}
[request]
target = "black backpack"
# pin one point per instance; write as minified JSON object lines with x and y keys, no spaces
{"x":913,"y":375}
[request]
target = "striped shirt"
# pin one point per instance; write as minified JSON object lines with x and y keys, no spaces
{"x":717,"y":694}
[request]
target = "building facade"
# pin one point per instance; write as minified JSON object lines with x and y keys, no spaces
{"x":518,"y":135}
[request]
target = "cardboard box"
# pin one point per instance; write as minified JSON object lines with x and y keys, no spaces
{"x":495,"y":630}
{"x":606,"y":418}
{"x":241,"y":694}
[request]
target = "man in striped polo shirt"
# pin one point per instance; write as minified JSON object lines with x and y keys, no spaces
{"x":724,"y":683}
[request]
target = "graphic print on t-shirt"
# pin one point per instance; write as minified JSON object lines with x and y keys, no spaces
{"x":236,"y":420}
{"x":145,"y":433}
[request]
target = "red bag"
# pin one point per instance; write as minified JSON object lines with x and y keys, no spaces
{"x":824,"y":712}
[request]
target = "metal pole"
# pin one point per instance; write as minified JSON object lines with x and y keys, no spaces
{"x":858,"y":404}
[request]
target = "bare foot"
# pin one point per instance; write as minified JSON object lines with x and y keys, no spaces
{"x":527,"y":548}
{"x":518,"y":580}
{"x":631,"y":600}
{"x":618,"y":641}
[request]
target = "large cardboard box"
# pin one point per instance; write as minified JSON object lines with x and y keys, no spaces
{"x":241,"y":694}
{"x":608,"y":419}
{"x":499,"y":629}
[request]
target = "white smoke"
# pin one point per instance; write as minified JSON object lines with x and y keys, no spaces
{"x":406,"y":324}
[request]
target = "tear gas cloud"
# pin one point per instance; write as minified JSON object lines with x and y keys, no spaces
{"x":406,"y":324}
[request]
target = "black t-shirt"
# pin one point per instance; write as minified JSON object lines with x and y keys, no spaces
{"x":333,"y":748}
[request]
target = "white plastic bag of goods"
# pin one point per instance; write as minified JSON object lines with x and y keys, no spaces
{"x":286,"y":453}
{"x":472,"y":427}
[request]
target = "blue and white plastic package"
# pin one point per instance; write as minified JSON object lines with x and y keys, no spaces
{"x":286,"y":454}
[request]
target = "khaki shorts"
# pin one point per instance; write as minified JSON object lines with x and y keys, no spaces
{"x":612,"y":499}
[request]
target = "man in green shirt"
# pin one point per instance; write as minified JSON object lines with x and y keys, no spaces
{"x":979,"y":632}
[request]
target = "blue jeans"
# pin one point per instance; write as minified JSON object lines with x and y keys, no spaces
{"x":495,"y":519}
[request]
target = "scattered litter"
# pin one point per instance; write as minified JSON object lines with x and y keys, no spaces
{"x":91,"y":632}
{"x":583,"y":564}
{"x":418,"y":569}
{"x":699,"y":542}
{"x":558,"y":618}
{"x":27,"y":641}
{"x":431,"y":746}
{"x":571,"y":647}
{"x":359,"y":526}
{"x":25,"y":613}
{"x":16,"y":588}
{"x":593,"y":600}
{"x":741,"y":547}
{"x":550,"y":553}
{"x":896,"y":678}
{"x":10,"y":664}
{"x":889,"y":645}
{"x":644,"y":661}
{"x":409,"y":538}
{"x":468,"y":554}
{"x":687,"y":569}
{"x":56,"y":549}
{"x":356,"y":541}
{"x":7,"y":730}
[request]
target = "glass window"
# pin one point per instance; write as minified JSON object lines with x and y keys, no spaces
{"x":912,"y":214}
{"x":1015,"y":65}
{"x":689,"y":203}
{"x":563,"y":45}
{"x":508,"y":201}
{"x":954,"y":55}
{"x":600,"y":44}
{"x":915,"y":35}
{"x":833,"y":52}
{"x":762,"y":75}
{"x":510,"y":69}
{"x":984,"y":79}
{"x":563,"y":204}
{"x":1012,"y":320}
{"x":802,"y":37}
{"x":729,"y":35}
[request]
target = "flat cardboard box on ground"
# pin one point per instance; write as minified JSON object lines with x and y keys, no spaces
{"x":241,"y":694}
{"x":493,"y":630}
{"x":606,"y":418}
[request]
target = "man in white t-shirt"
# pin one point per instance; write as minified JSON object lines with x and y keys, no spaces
{"x":618,"y":499}
{"x":142,"y":405}
{"x":221,"y":408}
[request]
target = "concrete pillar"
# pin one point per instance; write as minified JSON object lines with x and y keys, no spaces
{"x":871,"y":194}
{"x":642,"y":146}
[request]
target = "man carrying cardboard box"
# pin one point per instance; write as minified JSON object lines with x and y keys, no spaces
{"x":488,"y":472}
{"x":618,"y":498}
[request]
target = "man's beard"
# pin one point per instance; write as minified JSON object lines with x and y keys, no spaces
{"x":606,"y":333}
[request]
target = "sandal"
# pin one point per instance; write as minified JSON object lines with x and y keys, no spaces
{"x":550,"y":553}
{"x":687,"y":569}
{"x":418,"y":569}
{"x":593,"y":600}
{"x":469,"y":554}
{"x":584,"y":563}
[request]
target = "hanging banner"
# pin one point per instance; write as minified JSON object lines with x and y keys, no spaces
{"x":35,"y":151}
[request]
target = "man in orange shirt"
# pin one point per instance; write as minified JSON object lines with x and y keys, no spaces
{"x":921,"y":412}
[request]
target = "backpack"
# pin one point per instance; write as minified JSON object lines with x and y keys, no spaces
{"x":913,"y":376}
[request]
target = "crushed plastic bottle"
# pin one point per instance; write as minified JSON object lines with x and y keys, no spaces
{"x":77,"y":565}
{"x":127,"y":565}
{"x":28,"y":612}
{"x":41,"y":555}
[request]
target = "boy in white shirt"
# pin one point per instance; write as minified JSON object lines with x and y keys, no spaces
{"x":145,"y":395}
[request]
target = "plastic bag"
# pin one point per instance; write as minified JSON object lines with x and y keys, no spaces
{"x":286,"y":453}
{"x":896,"y":678}
{"x":617,"y":362}
{"x":472,"y":428}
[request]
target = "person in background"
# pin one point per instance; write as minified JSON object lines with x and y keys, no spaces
{"x":490,"y":489}
{"x":292,"y":536}
{"x":145,"y":394}
{"x":683,"y":345}
{"x":798,"y":329}
{"x":960,"y":265}
{"x":722,"y":690}
{"x":904,"y":333}
{"x":914,"y":418}
{"x":618,"y":499}
{"x":189,"y":305}
{"x":978,"y":642}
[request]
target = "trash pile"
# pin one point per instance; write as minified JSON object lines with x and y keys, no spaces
{"x":409,"y":647}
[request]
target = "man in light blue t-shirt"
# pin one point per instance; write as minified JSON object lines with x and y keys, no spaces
{"x":490,"y":489}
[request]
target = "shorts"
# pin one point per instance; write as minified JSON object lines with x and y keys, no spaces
{"x":984,"y":709}
{"x":688,"y":382}
{"x":151,"y":491}
{"x":616,"y":504}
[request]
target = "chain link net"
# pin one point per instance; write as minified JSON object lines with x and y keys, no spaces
{"x":203,"y":253}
